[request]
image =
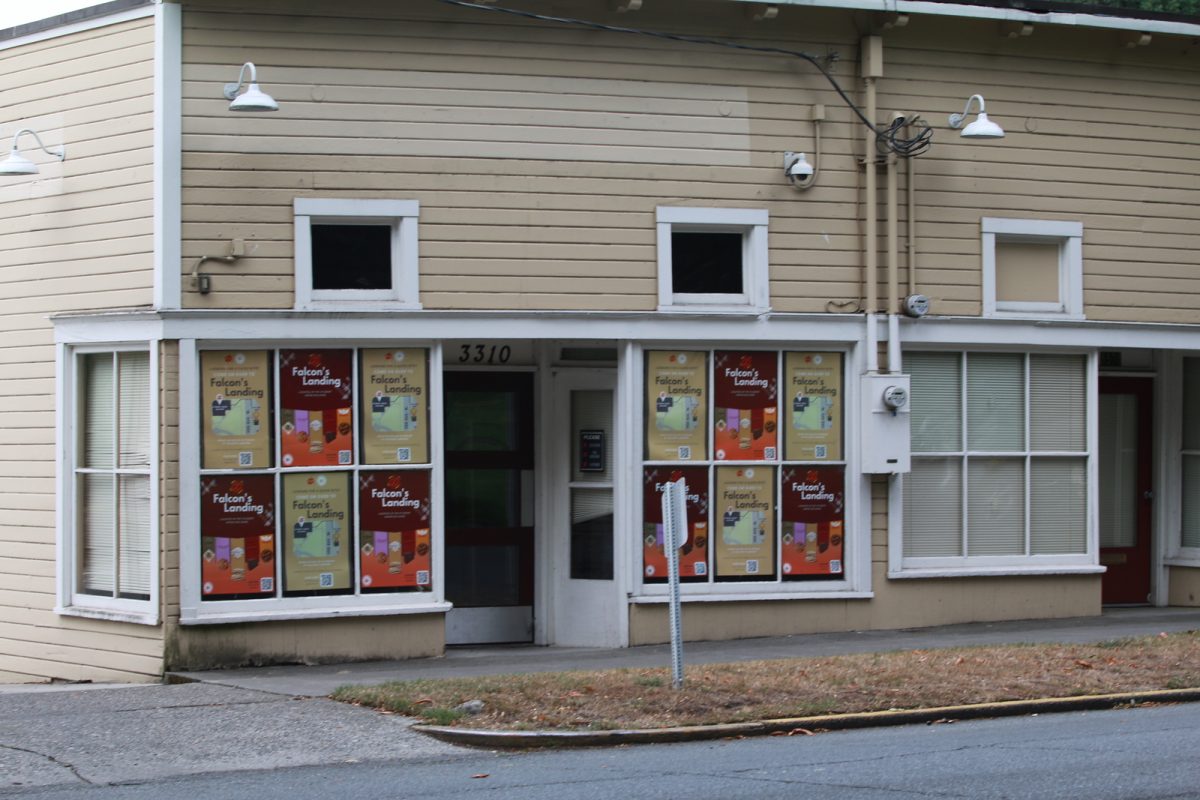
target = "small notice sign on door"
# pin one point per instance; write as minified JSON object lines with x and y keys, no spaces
{"x":591,"y":451}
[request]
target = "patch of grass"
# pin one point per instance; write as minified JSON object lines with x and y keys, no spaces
{"x":754,"y":690}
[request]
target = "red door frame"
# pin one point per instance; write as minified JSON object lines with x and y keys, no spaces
{"x":1127,"y":580}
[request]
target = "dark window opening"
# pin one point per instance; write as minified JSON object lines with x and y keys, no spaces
{"x":351,"y":257}
{"x":706,"y":263}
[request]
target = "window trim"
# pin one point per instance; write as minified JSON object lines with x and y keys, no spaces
{"x":1068,"y":236}
{"x":902,"y":567}
{"x":751,"y":223}
{"x":1173,"y":378}
{"x":401,"y":215}
{"x":71,"y":601}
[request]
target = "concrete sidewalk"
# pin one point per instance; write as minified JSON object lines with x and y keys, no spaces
{"x":320,"y":680}
{"x":251,"y":719}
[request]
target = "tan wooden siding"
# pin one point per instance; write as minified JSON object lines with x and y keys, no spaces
{"x":77,"y":236}
{"x":539,"y":152}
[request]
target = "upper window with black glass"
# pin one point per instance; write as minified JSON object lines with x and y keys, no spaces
{"x":712,"y":259}
{"x":356,"y":252}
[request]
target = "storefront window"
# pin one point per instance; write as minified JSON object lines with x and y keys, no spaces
{"x":774,"y":516}
{"x":295,"y":483}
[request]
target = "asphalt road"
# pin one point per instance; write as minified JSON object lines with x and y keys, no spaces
{"x":1134,"y":753}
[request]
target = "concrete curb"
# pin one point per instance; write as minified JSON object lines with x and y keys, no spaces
{"x":833,"y":722}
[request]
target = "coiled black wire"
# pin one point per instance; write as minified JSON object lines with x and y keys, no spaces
{"x":887,"y":139}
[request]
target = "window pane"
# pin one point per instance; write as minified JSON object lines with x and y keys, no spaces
{"x":936,"y":417}
{"x":1057,"y":505}
{"x":1191,"y":404}
{"x":481,"y":421}
{"x":933,"y":508}
{"x":1057,"y":403}
{"x":706,"y":263}
{"x":134,"y":536}
{"x":1027,"y":271}
{"x":995,"y":401}
{"x":1118,"y":470}
{"x":99,"y":534}
{"x":134,"y":420}
{"x":591,"y":423}
{"x":99,"y":417}
{"x":352,"y":256}
{"x":591,"y":534}
{"x":1191,"y":501}
{"x":996,"y":503}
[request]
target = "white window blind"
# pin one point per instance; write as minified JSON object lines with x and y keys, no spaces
{"x":113,"y":475}
{"x":996,"y":507}
{"x":995,"y":401}
{"x":1007,"y":492}
{"x":933,"y":516}
{"x":936,"y":417}
{"x":1057,"y":506}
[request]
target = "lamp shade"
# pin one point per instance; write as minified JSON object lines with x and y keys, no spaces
{"x":17,"y":164}
{"x":254,"y":99}
{"x":983,"y":128}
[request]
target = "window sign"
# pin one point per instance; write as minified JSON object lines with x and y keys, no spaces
{"x":235,"y":397}
{"x":591,"y":451}
{"x":745,"y":510}
{"x":316,"y":399}
{"x":812,"y":405}
{"x":395,"y":406}
{"x":693,"y":555}
{"x":395,"y":548}
{"x":316,"y":533}
{"x":745,"y":391}
{"x":813,"y":522}
{"x":237,"y":530}
{"x":676,"y":405}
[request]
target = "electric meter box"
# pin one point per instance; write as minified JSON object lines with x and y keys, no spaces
{"x":885,"y":443}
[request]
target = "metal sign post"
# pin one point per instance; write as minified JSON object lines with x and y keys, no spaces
{"x":674,"y":508}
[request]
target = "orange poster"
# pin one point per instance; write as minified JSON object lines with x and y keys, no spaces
{"x":394,"y":542}
{"x":395,"y":406}
{"x":316,"y":408}
{"x":317,"y":533}
{"x":693,"y":555}
{"x":812,"y":403}
{"x":237,"y":536}
{"x":813,"y":522}
{"x":745,"y":514}
{"x":676,"y":405}
{"x":745,"y":422}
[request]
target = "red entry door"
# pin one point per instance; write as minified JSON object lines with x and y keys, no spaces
{"x":1125,"y":489}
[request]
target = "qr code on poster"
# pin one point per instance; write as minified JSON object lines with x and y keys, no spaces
{"x":344,"y":456}
{"x":266,"y":584}
{"x":835,"y":566}
{"x":752,"y":566}
{"x":326,"y":580}
{"x":422,"y":577}
{"x":819,"y":451}
{"x":246,"y":459}
{"x":769,"y":453}
{"x":404,"y":454}
{"x":700,"y":568}
{"x":685,"y":453}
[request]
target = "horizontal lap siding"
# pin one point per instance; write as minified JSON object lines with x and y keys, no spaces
{"x":1096,"y":133}
{"x":538,"y":153}
{"x":76,"y":237}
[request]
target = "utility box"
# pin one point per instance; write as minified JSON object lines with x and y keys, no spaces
{"x":886,"y":446}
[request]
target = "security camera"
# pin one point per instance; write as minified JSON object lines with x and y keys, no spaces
{"x":796,"y":166}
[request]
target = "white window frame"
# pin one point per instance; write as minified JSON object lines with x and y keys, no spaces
{"x":750,"y":223}
{"x":401,"y":215}
{"x":1069,"y":238}
{"x":193,"y":608}
{"x":900,"y":566}
{"x":855,"y":582}
{"x":71,"y":601}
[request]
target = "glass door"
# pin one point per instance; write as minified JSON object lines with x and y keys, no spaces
{"x":1125,"y":489}
{"x":488,"y":433}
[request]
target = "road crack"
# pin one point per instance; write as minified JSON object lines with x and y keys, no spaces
{"x":56,"y":761}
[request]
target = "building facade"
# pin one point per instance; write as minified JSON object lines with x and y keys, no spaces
{"x":407,"y":362}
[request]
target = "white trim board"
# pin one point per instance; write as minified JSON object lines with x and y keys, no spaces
{"x":168,"y":148}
